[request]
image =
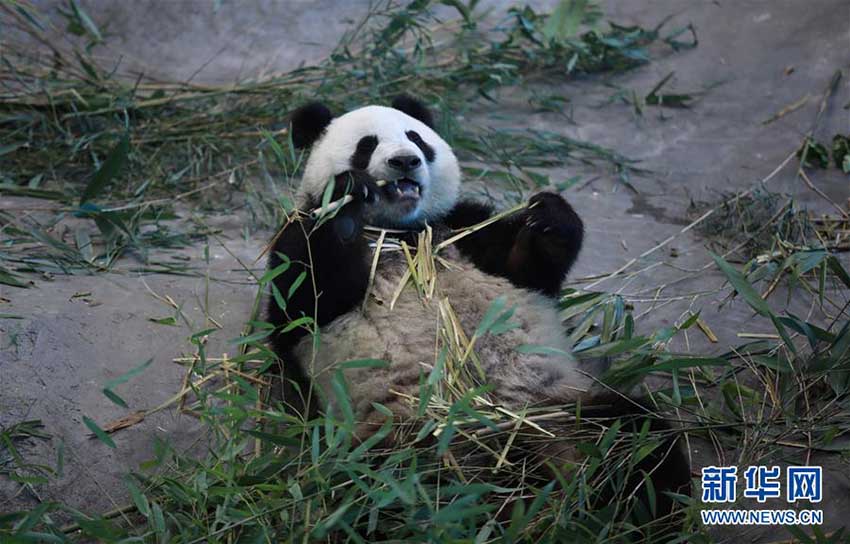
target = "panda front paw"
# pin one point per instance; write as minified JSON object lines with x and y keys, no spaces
{"x":362,"y":187}
{"x":549,"y":213}
{"x":545,"y":245}
{"x":363,"y":190}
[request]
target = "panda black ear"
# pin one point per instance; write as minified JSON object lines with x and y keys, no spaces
{"x":414,"y":108}
{"x":308,"y":123}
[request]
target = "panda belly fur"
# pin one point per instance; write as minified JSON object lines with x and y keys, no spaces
{"x":407,"y":337}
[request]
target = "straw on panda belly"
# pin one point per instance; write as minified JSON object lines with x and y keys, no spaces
{"x":407,"y":336}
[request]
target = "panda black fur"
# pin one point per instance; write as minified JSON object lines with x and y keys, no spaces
{"x":524,"y":257}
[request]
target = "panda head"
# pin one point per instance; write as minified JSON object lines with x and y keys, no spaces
{"x":396,"y":144}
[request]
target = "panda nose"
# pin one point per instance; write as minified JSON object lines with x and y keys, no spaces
{"x":404,"y":163}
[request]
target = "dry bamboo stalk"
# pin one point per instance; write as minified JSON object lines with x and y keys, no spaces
{"x":427,"y":269}
{"x":461,"y":347}
{"x":404,"y":279}
{"x":331,"y":207}
{"x":503,"y":458}
{"x":411,"y":266}
{"x":373,"y":268}
{"x":505,"y":425}
{"x":475,"y":228}
{"x":525,"y":420}
{"x":338,"y":203}
{"x":706,"y":330}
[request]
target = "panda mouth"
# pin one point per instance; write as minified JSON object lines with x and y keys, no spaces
{"x":403,"y":189}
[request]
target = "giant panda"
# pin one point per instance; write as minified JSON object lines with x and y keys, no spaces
{"x":523,"y":257}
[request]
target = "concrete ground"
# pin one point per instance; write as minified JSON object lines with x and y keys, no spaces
{"x":764,"y":56}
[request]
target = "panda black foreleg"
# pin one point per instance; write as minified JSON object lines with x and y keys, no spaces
{"x":534,"y":248}
{"x":546,"y":244}
{"x":328,"y":271}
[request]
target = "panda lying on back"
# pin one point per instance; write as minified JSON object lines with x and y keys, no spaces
{"x":524,"y":257}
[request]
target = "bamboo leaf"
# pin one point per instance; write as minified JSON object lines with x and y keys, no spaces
{"x":98,"y":432}
{"x":109,"y":169}
{"x":677,"y":363}
{"x":7,"y":278}
{"x":565,"y":20}
{"x":742,"y":286}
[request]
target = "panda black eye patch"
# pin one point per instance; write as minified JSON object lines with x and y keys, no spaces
{"x":426,"y":149}
{"x":363,"y":153}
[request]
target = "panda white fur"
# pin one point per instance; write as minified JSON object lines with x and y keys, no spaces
{"x":524,"y":257}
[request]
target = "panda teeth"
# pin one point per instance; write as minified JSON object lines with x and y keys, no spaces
{"x":402,"y":188}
